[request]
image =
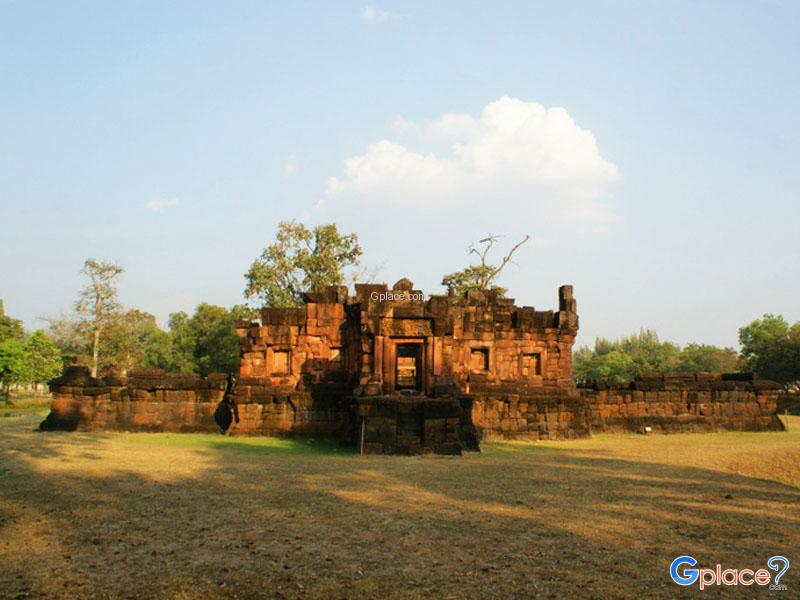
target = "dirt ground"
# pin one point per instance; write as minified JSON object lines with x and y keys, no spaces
{"x":118,"y":515}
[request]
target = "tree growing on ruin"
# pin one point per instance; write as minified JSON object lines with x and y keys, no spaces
{"x":97,"y":303}
{"x":483,"y":274}
{"x":300,"y":260}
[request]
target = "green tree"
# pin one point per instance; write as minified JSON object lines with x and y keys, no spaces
{"x":643,"y":352}
{"x":133,"y":339}
{"x":698,"y":358}
{"x":207,"y":342}
{"x":13,"y":367}
{"x":10,"y":328}
{"x":301,"y":259}
{"x":97,"y":303}
{"x":183,"y":341}
{"x":481,"y":276}
{"x":614,"y":365}
{"x":771,"y":349}
{"x":42,"y":358}
{"x":649,"y":354}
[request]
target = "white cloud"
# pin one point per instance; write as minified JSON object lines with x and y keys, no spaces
{"x":417,"y":199}
{"x":387,"y":165}
{"x":373,"y":14}
{"x":291,"y":166}
{"x":520,"y":156}
{"x":160,"y":204}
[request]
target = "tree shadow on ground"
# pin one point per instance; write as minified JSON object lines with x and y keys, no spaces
{"x":96,"y":515}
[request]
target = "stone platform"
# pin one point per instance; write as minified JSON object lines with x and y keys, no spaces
{"x":412,"y":424}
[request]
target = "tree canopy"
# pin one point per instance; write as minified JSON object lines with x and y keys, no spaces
{"x":13,"y":368}
{"x":42,"y":358}
{"x":483,"y":274}
{"x":643,"y":352}
{"x":10,"y":328}
{"x":771,"y":349}
{"x":206,"y":342}
{"x":26,"y":359}
{"x":133,"y":339}
{"x":300,"y":260}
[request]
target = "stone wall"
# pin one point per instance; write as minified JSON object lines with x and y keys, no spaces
{"x":684,"y":403}
{"x":154,"y":401}
{"x":411,"y":425}
{"x":417,"y":374}
{"x":667,"y":404}
{"x":475,"y":337}
{"x":518,"y":414}
{"x":320,"y":410}
{"x":148,"y":400}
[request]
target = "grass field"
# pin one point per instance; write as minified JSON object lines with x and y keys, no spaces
{"x":205,"y":516}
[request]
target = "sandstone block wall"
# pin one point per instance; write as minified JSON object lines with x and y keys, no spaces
{"x":704,"y":402}
{"x":419,"y":374}
{"x":667,"y":404}
{"x":530,"y":416}
{"x":477,"y":337}
{"x":264,"y":409}
{"x":411,"y":425}
{"x":148,"y":400}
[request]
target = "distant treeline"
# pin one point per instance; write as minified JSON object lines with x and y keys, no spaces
{"x":202,"y":343}
{"x":101,"y":333}
{"x":770,"y":349}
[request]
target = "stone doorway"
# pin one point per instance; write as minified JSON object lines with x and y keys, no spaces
{"x":408,"y":367}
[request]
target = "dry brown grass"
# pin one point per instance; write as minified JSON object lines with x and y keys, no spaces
{"x":199,"y":516}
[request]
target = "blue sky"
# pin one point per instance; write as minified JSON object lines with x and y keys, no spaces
{"x":650,"y":148}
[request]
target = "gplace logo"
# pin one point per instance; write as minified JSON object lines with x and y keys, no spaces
{"x":684,"y":576}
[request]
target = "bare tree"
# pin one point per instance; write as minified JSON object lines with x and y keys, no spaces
{"x":97,"y":303}
{"x":481,"y":276}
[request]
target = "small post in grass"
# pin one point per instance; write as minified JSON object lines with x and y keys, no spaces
{"x":361,"y":444}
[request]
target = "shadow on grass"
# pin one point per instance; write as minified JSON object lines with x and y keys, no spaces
{"x":289,"y":518}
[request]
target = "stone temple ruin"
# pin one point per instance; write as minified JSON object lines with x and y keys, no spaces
{"x":388,"y":371}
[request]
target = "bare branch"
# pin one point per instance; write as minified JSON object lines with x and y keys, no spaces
{"x":508,"y":256}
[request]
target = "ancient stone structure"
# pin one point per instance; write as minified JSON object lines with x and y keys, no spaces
{"x":389,"y":371}
{"x":685,"y":403}
{"x":148,"y":400}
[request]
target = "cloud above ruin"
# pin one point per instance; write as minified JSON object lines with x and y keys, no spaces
{"x":375,"y":14}
{"x":161,"y":204}
{"x":517,"y":157}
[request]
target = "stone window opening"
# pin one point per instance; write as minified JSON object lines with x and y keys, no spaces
{"x":280,"y":362}
{"x":532,"y":364}
{"x":336,"y":355}
{"x":479,"y":359}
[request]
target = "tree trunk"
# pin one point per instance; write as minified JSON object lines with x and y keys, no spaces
{"x":95,"y":349}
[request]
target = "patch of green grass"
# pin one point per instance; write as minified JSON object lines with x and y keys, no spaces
{"x":240,"y":444}
{"x":23,"y":404}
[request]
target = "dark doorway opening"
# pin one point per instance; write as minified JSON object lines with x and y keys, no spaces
{"x":408,"y":367}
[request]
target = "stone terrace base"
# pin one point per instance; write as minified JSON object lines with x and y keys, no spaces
{"x":148,"y":400}
{"x":398,"y":424}
{"x":684,"y":403}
